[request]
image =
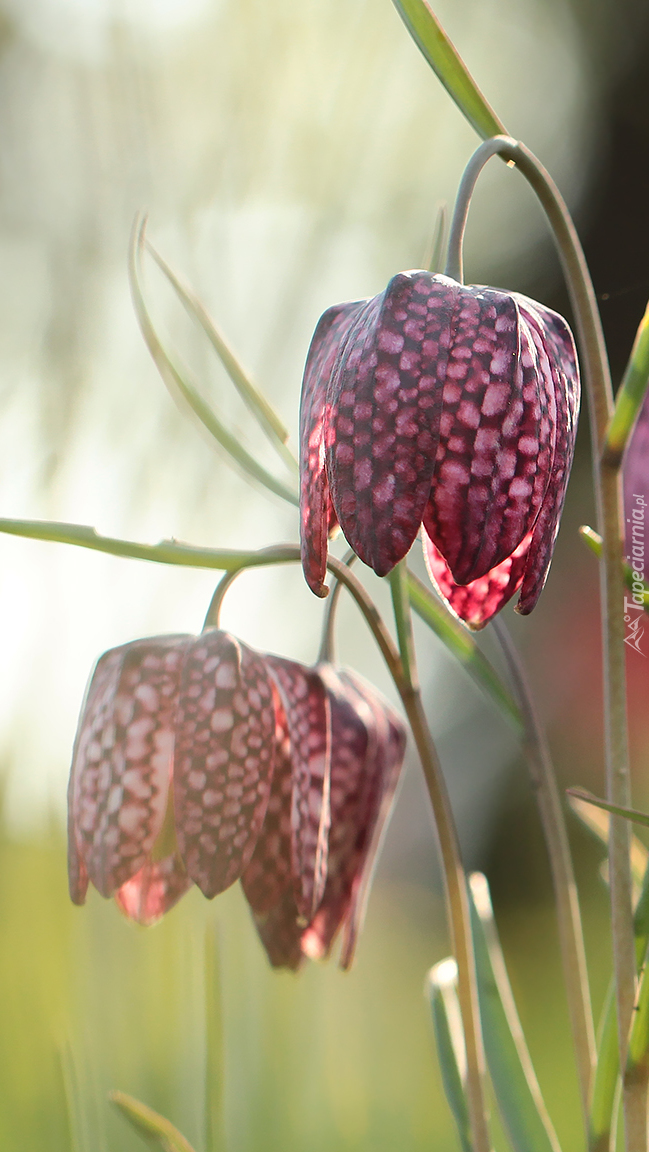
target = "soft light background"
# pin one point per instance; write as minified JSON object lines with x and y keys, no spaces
{"x":289,"y":155}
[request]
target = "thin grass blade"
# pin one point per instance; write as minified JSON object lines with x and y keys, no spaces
{"x":631,"y":393}
{"x":515,"y":1085}
{"x":594,"y":542}
{"x":463,"y":647}
{"x":180,"y":387}
{"x":214,"y":1060}
{"x":441,"y":987}
{"x":448,"y":66}
{"x":597,"y":822}
{"x":149,"y":1124}
{"x":260,"y":407}
{"x":628,"y":813}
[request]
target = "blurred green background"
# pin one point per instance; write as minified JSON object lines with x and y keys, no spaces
{"x":289,"y":155}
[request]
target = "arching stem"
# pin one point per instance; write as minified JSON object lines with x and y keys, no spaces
{"x":608,"y":498}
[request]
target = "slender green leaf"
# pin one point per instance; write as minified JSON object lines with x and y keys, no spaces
{"x":515,"y":1085}
{"x":631,"y":393}
{"x":260,"y":407}
{"x":166,"y":552}
{"x":462,"y":645}
{"x":594,"y":542}
{"x":432,"y":41}
{"x":153,"y":1127}
{"x":447,"y":1025}
{"x":628,"y":813}
{"x":606,"y":1080}
{"x":179,"y":386}
{"x":598,"y":822}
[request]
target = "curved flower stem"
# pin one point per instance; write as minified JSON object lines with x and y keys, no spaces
{"x":454,"y":874}
{"x":326,"y":653}
{"x":565,"y":889}
{"x":213,"y":614}
{"x":608,"y":496}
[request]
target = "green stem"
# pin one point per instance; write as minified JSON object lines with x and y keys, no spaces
{"x":571,"y":937}
{"x":457,"y":898}
{"x":608,"y":498}
{"x":327,"y":647}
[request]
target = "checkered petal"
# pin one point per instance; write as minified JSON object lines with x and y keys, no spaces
{"x":557,"y":338}
{"x":382,"y":415}
{"x":308,"y":716}
{"x":369,"y":741}
{"x":270,"y":871}
{"x":122,"y":762}
{"x":153,"y":890}
{"x":225,"y":753}
{"x":484,"y":496}
{"x":316,"y":510}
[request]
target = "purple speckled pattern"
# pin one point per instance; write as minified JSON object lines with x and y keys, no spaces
{"x":200,"y":761}
{"x":122,"y":762}
{"x":270,"y":871}
{"x":454,"y":407}
{"x":316,"y":510}
{"x":225,"y":752}
{"x":308,"y":716}
{"x":371,"y":741}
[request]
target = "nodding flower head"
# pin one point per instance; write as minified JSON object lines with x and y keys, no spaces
{"x":447,"y":407}
{"x":198,"y":760}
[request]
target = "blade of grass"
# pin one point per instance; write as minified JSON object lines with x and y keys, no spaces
{"x":179,"y":386}
{"x":438,"y":242}
{"x":441,"y":986}
{"x":517,"y":1091}
{"x":605,"y":1085}
{"x":594,"y":542}
{"x":597,"y":822}
{"x":448,"y":66}
{"x":463,"y":647}
{"x":149,"y":1124}
{"x":630,"y":395}
{"x":628,"y":813}
{"x":261,"y":409}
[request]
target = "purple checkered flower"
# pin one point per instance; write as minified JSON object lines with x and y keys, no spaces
{"x":200,"y":761}
{"x":444,"y":407}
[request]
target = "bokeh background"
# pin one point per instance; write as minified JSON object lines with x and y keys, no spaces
{"x":289,"y":155}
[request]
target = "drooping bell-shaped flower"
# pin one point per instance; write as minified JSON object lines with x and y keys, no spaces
{"x":445,"y":407}
{"x":198,"y":760}
{"x":359,"y":743}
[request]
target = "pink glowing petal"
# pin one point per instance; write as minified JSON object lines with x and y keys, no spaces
{"x":224,"y":758}
{"x":153,"y":890}
{"x":316,"y":510}
{"x":270,"y":873}
{"x":122,"y":760}
{"x":483,"y":498}
{"x":383,"y":412}
{"x":308,"y":717}
{"x":477,"y":602}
